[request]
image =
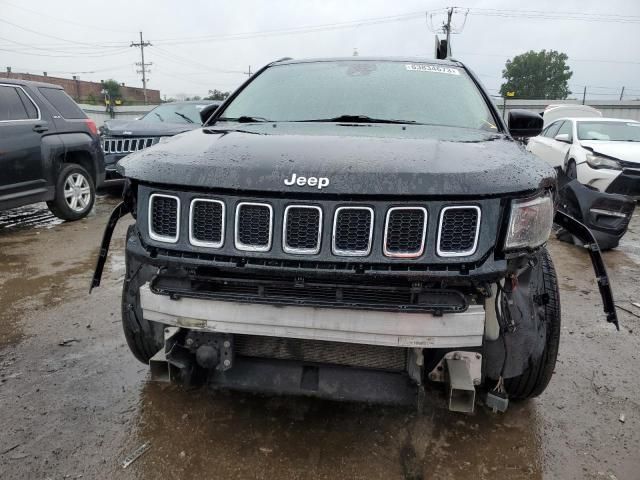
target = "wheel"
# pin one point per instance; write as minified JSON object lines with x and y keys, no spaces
{"x":144,"y":338}
{"x":75,"y":193}
{"x":533,"y":381}
{"x":572,"y":172}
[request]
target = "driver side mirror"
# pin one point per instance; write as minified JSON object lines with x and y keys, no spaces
{"x":562,"y":137}
{"x":523,"y":123}
{"x":206,"y":112}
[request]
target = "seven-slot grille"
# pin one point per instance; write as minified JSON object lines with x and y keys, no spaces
{"x":404,"y":232}
{"x":127,"y":145}
{"x":352,"y":231}
{"x":405,"y":228}
{"x":458,"y":232}
{"x":206,"y":223}
{"x":164,"y":217}
{"x":302,"y":229}
{"x":254,"y":225}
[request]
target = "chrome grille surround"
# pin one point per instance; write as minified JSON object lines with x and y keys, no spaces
{"x":352,"y":253}
{"x":301,"y":251}
{"x":200,"y":243}
{"x":465,"y":253}
{"x":247,"y":247}
{"x":152,"y":233}
{"x":405,"y":254}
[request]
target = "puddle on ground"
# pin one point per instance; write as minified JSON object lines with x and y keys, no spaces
{"x":238,"y":435}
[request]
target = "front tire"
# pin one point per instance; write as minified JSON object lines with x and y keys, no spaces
{"x":75,"y":193}
{"x":534,"y":380}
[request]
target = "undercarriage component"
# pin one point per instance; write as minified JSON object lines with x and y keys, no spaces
{"x":497,"y":401}
{"x":283,"y":377}
{"x":462,"y":391}
{"x":462,"y":371}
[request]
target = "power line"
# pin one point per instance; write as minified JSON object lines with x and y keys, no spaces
{"x":571,"y":59}
{"x":84,"y":55}
{"x":57,"y":38}
{"x":292,"y":30}
{"x":58,"y":19}
{"x":542,"y":15}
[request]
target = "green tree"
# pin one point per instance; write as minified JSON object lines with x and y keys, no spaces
{"x":537,"y":75}
{"x":217,"y":95}
{"x":112,"y":87}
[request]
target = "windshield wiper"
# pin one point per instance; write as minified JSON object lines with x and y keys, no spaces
{"x":159,"y":116}
{"x":359,"y":119}
{"x":184,"y":116}
{"x":243,"y":119}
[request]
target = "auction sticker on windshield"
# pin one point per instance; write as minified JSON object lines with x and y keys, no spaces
{"x":421,"y":67}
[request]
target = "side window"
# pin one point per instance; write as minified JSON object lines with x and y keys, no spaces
{"x":552,"y":131}
{"x":566,"y":128}
{"x":11,"y":106}
{"x":29,"y":106}
{"x":62,"y":102}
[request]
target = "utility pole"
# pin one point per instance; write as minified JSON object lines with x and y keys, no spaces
{"x":584,"y":94}
{"x":622,"y":93}
{"x":248,"y":73}
{"x":447,"y":29}
{"x":143,"y":66}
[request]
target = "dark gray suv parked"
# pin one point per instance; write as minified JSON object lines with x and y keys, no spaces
{"x":49,"y":150}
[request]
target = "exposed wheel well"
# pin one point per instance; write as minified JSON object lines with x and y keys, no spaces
{"x":79,"y":158}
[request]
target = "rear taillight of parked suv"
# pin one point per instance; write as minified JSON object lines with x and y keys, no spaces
{"x":92,"y":126}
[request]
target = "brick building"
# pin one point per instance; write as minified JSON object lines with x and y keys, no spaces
{"x":83,"y":91}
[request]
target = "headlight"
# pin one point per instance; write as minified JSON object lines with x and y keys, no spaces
{"x":530,"y":222}
{"x":597,"y":161}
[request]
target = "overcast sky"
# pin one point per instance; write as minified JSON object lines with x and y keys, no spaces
{"x":200,"y":45}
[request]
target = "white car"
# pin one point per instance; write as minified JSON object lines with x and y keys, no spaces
{"x":602,"y":153}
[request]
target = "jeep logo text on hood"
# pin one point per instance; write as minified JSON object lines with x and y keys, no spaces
{"x":319,"y":182}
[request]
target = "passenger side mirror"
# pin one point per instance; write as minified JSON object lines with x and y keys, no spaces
{"x":206,"y":112}
{"x":562,"y":137}
{"x":523,"y":123}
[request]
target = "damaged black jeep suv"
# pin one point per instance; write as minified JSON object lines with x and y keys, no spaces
{"x":348,"y":228}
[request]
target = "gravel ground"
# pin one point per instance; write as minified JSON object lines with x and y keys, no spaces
{"x":76,"y":410}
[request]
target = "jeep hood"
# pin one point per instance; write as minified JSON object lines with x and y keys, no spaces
{"x":357,"y":159}
{"x":140,"y":128}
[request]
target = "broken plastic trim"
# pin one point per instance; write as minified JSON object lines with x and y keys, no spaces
{"x":120,"y":211}
{"x":581,"y":231}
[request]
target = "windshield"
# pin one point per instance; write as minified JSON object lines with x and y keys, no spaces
{"x":175,"y":113}
{"x":358,"y":91}
{"x":609,"y":131}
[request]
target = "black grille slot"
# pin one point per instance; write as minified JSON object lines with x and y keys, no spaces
{"x":207,"y":223}
{"x":164,"y":218}
{"x":458,"y":231}
{"x":302,"y":229}
{"x":352,"y":231}
{"x":253,"y":226}
{"x":405,"y":231}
